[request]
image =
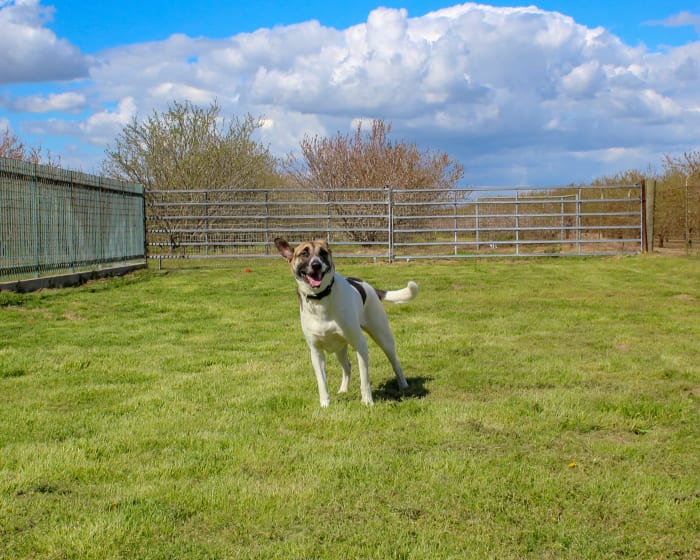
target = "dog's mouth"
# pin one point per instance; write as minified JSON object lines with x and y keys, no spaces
{"x":311,"y":269}
{"x":313,"y":278}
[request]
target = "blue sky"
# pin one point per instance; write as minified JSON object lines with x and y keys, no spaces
{"x":549,"y":94}
{"x":92,"y":26}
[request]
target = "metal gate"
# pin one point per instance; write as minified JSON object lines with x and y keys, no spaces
{"x":399,"y":223}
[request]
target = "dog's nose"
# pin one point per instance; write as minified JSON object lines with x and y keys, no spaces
{"x":316,"y":265}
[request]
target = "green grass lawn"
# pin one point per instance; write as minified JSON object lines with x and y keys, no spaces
{"x":554,"y":412}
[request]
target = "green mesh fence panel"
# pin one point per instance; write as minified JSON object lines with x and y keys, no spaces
{"x":54,"y":221}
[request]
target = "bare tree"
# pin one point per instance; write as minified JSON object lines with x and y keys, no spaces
{"x":189,"y":148}
{"x":337,"y":168}
{"x":12,"y":147}
{"x":688,"y":164}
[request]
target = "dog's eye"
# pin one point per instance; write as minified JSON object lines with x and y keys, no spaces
{"x":304,"y":252}
{"x":323,"y":254}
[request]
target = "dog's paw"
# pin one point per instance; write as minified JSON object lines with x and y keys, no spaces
{"x":368,"y":401}
{"x":325,"y":403}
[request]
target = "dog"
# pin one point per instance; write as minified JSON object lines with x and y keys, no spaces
{"x":334,"y":312}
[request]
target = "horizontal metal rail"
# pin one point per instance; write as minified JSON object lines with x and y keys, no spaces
{"x":514,"y":229}
{"x":521,"y":215}
{"x":505,"y":242}
{"x":521,"y":201}
{"x":258,"y":204}
{"x":252,"y":217}
{"x":270,"y":230}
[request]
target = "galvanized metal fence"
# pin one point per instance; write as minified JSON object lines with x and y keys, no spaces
{"x":54,"y":221}
{"x":398,"y":223}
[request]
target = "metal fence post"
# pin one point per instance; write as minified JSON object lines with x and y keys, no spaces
{"x":643,"y":238}
{"x":69,"y":212}
{"x":100,"y":227}
{"x":562,"y":221}
{"x":328,"y":216}
{"x":578,"y":221}
{"x":267,"y":222}
{"x":144,"y":222}
{"x":390,"y":218}
{"x":687,"y":216}
{"x":454,"y":212}
{"x":517,"y":222}
{"x":206,"y":223}
{"x":476,"y":222}
{"x":35,"y":220}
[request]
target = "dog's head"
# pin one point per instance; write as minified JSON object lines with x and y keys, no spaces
{"x":311,"y":263}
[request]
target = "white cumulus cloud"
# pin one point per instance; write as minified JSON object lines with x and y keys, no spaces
{"x":30,"y":51}
{"x":53,"y":102}
{"x":104,"y":126}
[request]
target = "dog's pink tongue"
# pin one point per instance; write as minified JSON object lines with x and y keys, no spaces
{"x":313,"y":282}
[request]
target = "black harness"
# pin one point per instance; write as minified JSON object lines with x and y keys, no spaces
{"x":354,"y":282}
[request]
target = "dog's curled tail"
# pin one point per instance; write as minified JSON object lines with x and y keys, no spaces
{"x":401,"y":296}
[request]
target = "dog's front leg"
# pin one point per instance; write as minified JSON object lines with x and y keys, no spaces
{"x":318,"y":359}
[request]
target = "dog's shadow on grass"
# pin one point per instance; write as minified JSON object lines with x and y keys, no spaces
{"x":389,"y":390}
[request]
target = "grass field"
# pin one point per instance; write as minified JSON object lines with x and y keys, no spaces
{"x":554,"y":412}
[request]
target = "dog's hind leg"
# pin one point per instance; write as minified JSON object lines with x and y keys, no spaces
{"x":318,"y":359}
{"x":398,"y":371}
{"x":362,"y":350}
{"x":344,"y":361}
{"x":385,"y":340}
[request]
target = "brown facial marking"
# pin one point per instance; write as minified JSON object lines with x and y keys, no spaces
{"x":311,"y":261}
{"x":310,"y":249}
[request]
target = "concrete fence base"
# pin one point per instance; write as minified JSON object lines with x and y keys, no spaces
{"x":66,"y":280}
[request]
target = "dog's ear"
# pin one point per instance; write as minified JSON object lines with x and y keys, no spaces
{"x":284,"y":248}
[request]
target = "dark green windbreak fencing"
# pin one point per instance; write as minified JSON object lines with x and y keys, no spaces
{"x":54,"y":221}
